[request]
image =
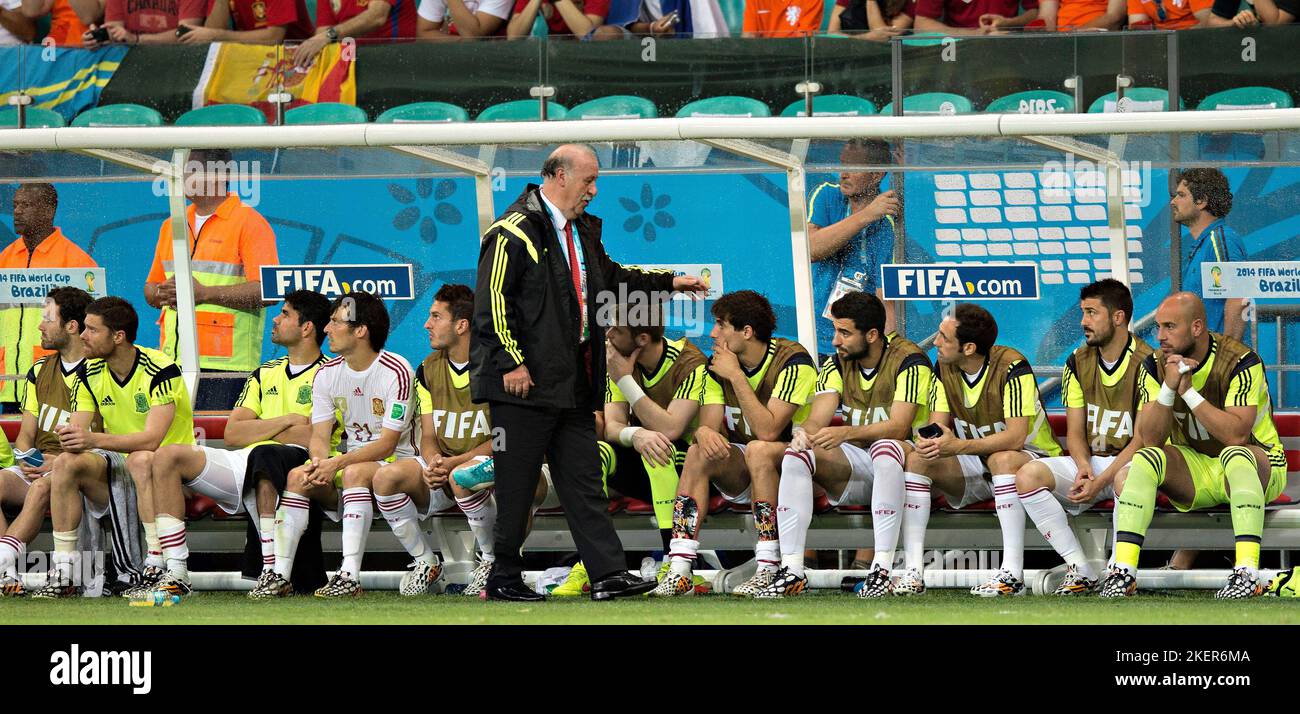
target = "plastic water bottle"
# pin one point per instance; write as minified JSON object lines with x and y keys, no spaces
{"x":156,"y":599}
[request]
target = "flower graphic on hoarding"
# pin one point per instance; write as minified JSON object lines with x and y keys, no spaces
{"x":443,"y":212}
{"x":652,"y":205}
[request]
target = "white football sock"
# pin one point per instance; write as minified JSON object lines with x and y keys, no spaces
{"x":1050,"y":519}
{"x":266,"y":535}
{"x":153,"y":549}
{"x":176,"y":551}
{"x":887,"y":495}
{"x":358,"y":514}
{"x":290,"y":524}
{"x":795,"y":506}
{"x":1011,"y":516}
{"x":11,"y":552}
{"x":682,"y":553}
{"x":916,"y":518}
{"x":402,"y":516}
{"x":480,"y":511}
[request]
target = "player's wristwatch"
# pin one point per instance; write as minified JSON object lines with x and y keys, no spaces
{"x":331,"y":34}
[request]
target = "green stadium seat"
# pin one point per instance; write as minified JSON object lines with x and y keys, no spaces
{"x":119,"y":115}
{"x":522,"y":110}
{"x":926,"y":39}
{"x":423,"y":112}
{"x":725,"y":107}
{"x":832,"y":105}
{"x":931,"y":103}
{"x":1034,"y":101}
{"x":325,"y":113}
{"x":1247,"y":98}
{"x":36,"y":118}
{"x":1145,"y":99}
{"x":621,"y":106}
{"x":222,"y":115}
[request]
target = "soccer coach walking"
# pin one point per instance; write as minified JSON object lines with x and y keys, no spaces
{"x":538,"y":360}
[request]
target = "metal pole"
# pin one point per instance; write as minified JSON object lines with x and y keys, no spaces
{"x":801,"y":250}
{"x":187,"y":336}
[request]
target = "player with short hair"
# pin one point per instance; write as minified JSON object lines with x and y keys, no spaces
{"x":1212,"y":405}
{"x":273,"y":408}
{"x":145,"y":405}
{"x":988,"y":393}
{"x":881,"y":384}
{"x":46,"y":404}
{"x":1103,"y":389}
{"x":652,"y":404}
{"x":369,"y":391}
{"x":757,"y":387}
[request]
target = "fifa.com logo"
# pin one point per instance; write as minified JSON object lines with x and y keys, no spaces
{"x":215,"y":178}
{"x":1083,"y":181}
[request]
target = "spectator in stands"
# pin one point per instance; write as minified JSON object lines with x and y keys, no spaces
{"x":148,"y":24}
{"x":1066,"y":15}
{"x":782,"y":18}
{"x":69,"y":19}
{"x":851,"y":233}
{"x":973,"y":17}
{"x":263,"y":22}
{"x":359,"y":19}
{"x":40,"y":244}
{"x":15,"y":27}
{"x":1225,"y":13}
{"x":453,"y":19}
{"x":1168,"y":14}
{"x":232,"y":242}
{"x":563,"y":17}
{"x":872,"y":19}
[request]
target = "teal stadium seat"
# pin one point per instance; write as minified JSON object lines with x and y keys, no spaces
{"x":832,"y":105}
{"x":1247,"y":98}
{"x":222,"y":115}
{"x":522,"y":110}
{"x":1144,"y":99}
{"x":727,"y":106}
{"x":423,"y":112}
{"x":324,"y":113}
{"x":36,"y":118}
{"x":621,"y":106}
{"x":931,"y":103}
{"x":119,"y":115}
{"x":1034,"y":101}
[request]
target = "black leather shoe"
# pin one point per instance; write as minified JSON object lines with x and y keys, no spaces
{"x":514,"y":592}
{"x":620,"y":585}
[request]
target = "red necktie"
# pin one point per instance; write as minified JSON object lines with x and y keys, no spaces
{"x":576,"y":273}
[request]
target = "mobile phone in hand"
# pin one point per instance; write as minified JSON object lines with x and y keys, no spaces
{"x":99,"y":34}
{"x":181,"y":30}
{"x":929,"y":431}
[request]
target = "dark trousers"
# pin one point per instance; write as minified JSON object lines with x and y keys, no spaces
{"x":273,"y":462}
{"x":566,"y":438}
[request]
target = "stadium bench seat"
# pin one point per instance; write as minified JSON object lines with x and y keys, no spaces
{"x":832,"y":105}
{"x":325,"y":113}
{"x":1144,"y":99}
{"x":932,"y":103}
{"x":522,"y":110}
{"x":222,"y":115}
{"x":620,"y":106}
{"x":423,"y":112}
{"x":119,"y":115}
{"x":726,"y":106}
{"x":1034,"y":101}
{"x":1247,"y":98}
{"x":36,"y":118}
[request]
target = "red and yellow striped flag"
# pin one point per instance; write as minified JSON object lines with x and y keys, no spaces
{"x":250,"y":74}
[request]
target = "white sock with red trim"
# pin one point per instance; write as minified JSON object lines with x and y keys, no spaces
{"x":480,"y":511}
{"x":403,"y":517}
{"x":1011,"y":516}
{"x":176,"y":551}
{"x":887,"y":494}
{"x":794,"y":507}
{"x":290,"y":523}
{"x":358,"y":514}
{"x":1051,"y":520}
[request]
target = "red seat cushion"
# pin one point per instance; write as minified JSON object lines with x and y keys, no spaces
{"x":198,"y":506}
{"x":636,"y":505}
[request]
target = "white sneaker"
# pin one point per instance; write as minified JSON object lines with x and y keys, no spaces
{"x":419,"y":578}
{"x":1002,"y":584}
{"x":478,"y":579}
{"x":909,"y":582}
{"x":759,"y":582}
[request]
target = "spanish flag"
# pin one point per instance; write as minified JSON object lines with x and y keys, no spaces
{"x":250,"y":74}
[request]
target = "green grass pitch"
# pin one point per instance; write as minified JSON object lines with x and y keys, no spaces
{"x":817,"y":608}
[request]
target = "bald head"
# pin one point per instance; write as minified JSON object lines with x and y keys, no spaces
{"x":1180,"y":324}
{"x":569,"y":178}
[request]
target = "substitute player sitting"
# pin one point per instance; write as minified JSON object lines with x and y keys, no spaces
{"x":757,"y":386}
{"x":881,"y":384}
{"x":1213,"y":406}
{"x":1104,"y":389}
{"x":998,"y":424}
{"x":47,"y":404}
{"x":145,"y":405}
{"x":368,"y":390}
{"x":652,"y":404}
{"x":273,"y":408}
